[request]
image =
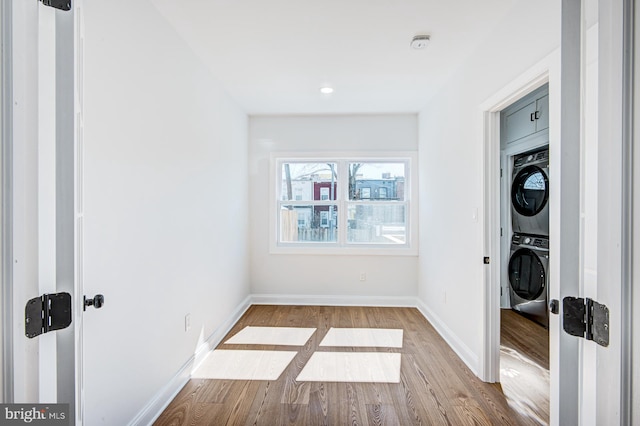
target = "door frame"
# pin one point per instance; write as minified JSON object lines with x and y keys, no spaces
{"x":634,"y":325}
{"x":564,"y":136}
{"x":22,"y":379}
{"x":629,"y":110}
{"x":69,"y":221}
{"x":6,"y":322}
{"x":537,"y":76}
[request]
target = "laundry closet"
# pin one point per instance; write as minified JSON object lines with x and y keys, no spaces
{"x":525,"y":206}
{"x":525,"y":255}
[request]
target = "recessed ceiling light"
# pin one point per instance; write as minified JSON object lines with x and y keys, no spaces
{"x":326,"y":90}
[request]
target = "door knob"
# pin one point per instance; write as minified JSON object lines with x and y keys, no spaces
{"x":96,"y":302}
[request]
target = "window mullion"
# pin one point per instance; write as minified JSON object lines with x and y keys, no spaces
{"x":343,"y":194}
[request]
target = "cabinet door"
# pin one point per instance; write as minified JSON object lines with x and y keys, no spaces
{"x":542,"y":108}
{"x":520,"y":123}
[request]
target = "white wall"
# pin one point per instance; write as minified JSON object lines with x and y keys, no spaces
{"x":165,"y":206}
{"x":321,"y":275}
{"x":451,"y":161}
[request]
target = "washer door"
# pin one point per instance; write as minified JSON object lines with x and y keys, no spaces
{"x":526,"y":274}
{"x":530,"y":191}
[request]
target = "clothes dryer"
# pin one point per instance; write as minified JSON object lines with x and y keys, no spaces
{"x":530,"y":193}
{"x":528,"y":276}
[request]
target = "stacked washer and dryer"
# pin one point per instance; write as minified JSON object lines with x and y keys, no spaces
{"x":529,"y":258}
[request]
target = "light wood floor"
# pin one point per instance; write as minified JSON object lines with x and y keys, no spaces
{"x":436,"y":387}
{"x":524,"y":365}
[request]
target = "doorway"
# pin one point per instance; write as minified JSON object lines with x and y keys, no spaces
{"x":497,"y":239}
{"x":585,"y":377}
{"x":525,"y":256}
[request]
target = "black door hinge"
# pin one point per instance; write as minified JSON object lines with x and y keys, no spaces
{"x":586,"y":318}
{"x":58,"y":4}
{"x":46,"y":313}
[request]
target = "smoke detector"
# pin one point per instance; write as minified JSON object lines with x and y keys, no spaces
{"x":420,"y":42}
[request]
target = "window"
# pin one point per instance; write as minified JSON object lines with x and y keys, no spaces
{"x":324,"y":219}
{"x":333,"y":204}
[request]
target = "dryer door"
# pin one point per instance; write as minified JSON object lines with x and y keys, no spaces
{"x":530,"y":191}
{"x":526,"y":274}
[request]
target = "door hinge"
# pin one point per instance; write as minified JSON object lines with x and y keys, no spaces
{"x":58,"y":4}
{"x":48,"y":312}
{"x":586,"y":318}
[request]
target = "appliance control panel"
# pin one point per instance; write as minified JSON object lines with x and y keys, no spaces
{"x":531,"y":241}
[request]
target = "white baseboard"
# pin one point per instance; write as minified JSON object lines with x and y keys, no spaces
{"x":323,"y":300}
{"x":163,"y":398}
{"x":152,"y":410}
{"x":466,"y":355}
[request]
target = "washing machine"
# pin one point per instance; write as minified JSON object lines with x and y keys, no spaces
{"x":528,"y":276}
{"x":530,"y":193}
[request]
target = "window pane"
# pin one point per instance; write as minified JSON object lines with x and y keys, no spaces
{"x":376,"y":224}
{"x":376,"y":181}
{"x":308,"y":223}
{"x":309,"y":181}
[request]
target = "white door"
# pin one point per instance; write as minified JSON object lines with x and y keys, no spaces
{"x":606,"y":232}
{"x":42,"y":197}
{"x":613,"y":228}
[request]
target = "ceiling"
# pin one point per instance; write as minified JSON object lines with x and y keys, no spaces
{"x":273,"y":56}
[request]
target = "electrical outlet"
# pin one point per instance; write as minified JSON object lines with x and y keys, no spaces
{"x":187,"y":322}
{"x":363,"y":276}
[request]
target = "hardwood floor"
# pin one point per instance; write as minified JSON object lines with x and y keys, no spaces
{"x":436,"y":387}
{"x":524,"y":336}
{"x":524,"y":365}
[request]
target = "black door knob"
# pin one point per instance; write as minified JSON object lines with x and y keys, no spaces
{"x":96,"y":302}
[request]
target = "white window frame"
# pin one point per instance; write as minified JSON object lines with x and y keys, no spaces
{"x":341,"y":246}
{"x":324,"y":219}
{"x":324,"y":192}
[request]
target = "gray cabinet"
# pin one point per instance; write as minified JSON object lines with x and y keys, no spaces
{"x":526,"y":117}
